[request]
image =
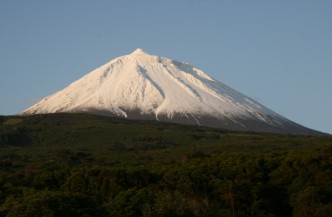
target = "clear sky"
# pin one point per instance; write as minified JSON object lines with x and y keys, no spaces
{"x":277,"y":52}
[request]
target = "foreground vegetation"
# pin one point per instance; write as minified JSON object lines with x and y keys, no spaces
{"x":83,"y":165}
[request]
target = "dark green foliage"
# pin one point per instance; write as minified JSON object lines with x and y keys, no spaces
{"x":84,"y":165}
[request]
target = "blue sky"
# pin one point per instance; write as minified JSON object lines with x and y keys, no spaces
{"x":277,"y":52}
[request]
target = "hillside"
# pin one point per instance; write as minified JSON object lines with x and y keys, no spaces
{"x":86,"y":165}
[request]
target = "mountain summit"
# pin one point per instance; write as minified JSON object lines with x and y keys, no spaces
{"x":144,"y":86}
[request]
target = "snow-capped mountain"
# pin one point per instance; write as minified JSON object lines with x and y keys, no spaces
{"x":144,"y":86}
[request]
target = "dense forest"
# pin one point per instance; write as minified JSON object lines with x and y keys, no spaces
{"x":79,"y":165}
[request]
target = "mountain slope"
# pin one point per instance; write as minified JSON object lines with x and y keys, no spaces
{"x":144,"y":86}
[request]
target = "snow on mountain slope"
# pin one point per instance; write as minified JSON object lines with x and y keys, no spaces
{"x":144,"y":86}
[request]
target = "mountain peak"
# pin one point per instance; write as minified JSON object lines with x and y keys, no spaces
{"x":139,"y":51}
{"x":163,"y":90}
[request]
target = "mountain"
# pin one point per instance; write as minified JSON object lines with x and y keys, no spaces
{"x":144,"y":86}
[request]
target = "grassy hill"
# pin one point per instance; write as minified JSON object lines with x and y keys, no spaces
{"x":85,"y":165}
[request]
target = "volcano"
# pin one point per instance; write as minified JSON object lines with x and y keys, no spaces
{"x":149,"y":87}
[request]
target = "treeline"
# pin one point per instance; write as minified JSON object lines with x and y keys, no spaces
{"x":204,"y":172}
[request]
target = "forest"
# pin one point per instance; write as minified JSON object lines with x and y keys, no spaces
{"x":79,"y":165}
